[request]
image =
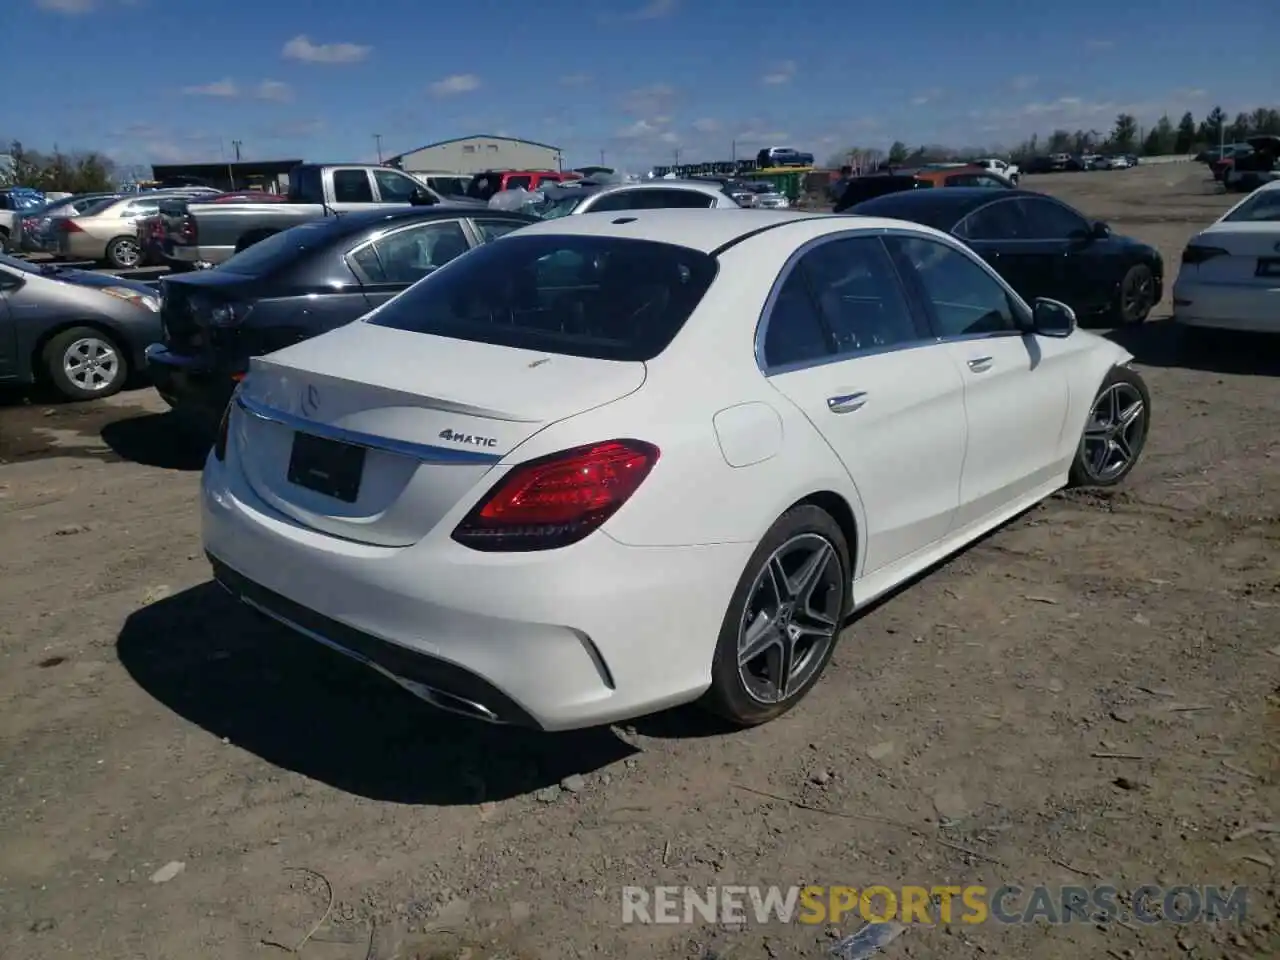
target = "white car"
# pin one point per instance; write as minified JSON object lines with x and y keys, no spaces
{"x":1230,"y":273}
{"x":609,"y":464}
{"x":568,"y":199}
{"x":1009,"y":171}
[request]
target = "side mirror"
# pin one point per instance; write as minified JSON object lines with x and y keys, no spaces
{"x":421,"y":198}
{"x":1049,"y":318}
{"x":1099,"y":230}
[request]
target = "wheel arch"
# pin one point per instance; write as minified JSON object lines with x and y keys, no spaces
{"x":840,"y":510}
{"x":36,"y":357}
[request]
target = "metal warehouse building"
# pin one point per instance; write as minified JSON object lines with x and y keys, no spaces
{"x":478,"y":153}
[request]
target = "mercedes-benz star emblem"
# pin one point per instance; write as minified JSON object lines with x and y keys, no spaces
{"x":309,"y":402}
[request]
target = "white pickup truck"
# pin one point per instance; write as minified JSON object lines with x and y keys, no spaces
{"x":1009,"y":171}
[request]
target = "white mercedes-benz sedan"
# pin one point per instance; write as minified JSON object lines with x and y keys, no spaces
{"x":1230,"y":273}
{"x":612,"y":463}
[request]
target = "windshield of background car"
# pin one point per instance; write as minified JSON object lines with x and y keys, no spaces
{"x":608,"y":298}
{"x":280,"y":249}
{"x":1262,"y":207}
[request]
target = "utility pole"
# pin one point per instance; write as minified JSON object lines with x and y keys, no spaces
{"x":602,"y":158}
{"x":235,"y":144}
{"x":676,"y":152}
{"x":734,"y":148}
{"x":377,"y":138}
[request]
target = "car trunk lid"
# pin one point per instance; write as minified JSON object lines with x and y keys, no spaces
{"x":1252,"y":253}
{"x":374,"y":434}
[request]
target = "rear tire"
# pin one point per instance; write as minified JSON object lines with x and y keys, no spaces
{"x":781,"y":626}
{"x":84,"y":364}
{"x":1116,"y":431}
{"x":124,"y":253}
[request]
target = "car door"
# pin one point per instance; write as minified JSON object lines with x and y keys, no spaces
{"x":10,"y":281}
{"x":842,"y":343}
{"x":998,"y":232}
{"x":399,"y":258}
{"x":1082,"y":275}
{"x":352,"y":188}
{"x":1015,"y":383}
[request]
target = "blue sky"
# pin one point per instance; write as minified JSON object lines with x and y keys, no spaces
{"x":174,"y":80}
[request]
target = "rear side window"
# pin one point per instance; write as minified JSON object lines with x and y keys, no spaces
{"x":585,"y":296}
{"x":306,"y":185}
{"x":352,"y":186}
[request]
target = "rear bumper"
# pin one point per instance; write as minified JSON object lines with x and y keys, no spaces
{"x":1243,"y":307}
{"x":587,"y":635}
{"x":189,"y":383}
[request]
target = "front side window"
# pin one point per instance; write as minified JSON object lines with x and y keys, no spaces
{"x":352,"y":186}
{"x":408,"y":255}
{"x":1046,"y":220}
{"x":395,"y":187}
{"x":858,"y":294}
{"x":965,"y":299}
{"x":610,"y":298}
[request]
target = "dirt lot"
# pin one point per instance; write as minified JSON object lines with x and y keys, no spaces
{"x":1090,"y":695}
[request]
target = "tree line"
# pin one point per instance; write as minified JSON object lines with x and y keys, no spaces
{"x":81,"y":171}
{"x":1126,"y":136}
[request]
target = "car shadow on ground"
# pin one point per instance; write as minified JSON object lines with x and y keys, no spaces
{"x":305,"y":708}
{"x":161,"y":440}
{"x":1162,"y":343}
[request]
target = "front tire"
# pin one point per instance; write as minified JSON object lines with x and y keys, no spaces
{"x":1115,"y":433}
{"x":84,"y":364}
{"x":783,"y":620}
{"x":1136,"y":297}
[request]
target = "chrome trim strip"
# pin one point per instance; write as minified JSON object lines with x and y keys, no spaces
{"x":424,"y":452}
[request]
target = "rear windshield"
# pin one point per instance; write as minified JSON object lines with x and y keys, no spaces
{"x":607,"y":298}
{"x":279,"y":249}
{"x":1263,"y":206}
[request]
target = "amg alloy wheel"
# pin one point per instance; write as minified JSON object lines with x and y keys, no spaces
{"x":782,"y":625}
{"x":1116,"y":431}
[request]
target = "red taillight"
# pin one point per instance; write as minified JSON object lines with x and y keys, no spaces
{"x":70,"y":226}
{"x":1194,"y":254}
{"x":557,"y":500}
{"x":220,"y":444}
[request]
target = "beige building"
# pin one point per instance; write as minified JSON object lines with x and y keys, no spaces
{"x":476,"y":154}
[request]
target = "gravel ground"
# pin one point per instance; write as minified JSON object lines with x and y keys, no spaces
{"x":1092,"y":694}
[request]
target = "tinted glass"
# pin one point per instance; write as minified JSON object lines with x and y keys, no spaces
{"x":306,"y":185}
{"x":1263,"y":206}
{"x":795,"y":333}
{"x":858,"y":294}
{"x":351,"y":186}
{"x":674,"y":199}
{"x":865,"y":188}
{"x":963,"y":180}
{"x":140,"y":208}
{"x":622,"y":200}
{"x":279,"y":250}
{"x":493,"y":229}
{"x":519,"y":183}
{"x":585,"y":296}
{"x":408,"y":255}
{"x":95,"y":207}
{"x":965,"y":298}
{"x":394,"y":187}
{"x":1046,"y":220}
{"x":997,"y":221}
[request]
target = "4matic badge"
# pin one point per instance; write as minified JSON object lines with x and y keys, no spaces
{"x":455,"y":437}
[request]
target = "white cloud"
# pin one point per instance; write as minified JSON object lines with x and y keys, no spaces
{"x":301,"y":48}
{"x":219,"y":88}
{"x":639,"y":130}
{"x":71,"y":7}
{"x":707,"y":125}
{"x":928,"y":96}
{"x":1023,"y":82}
{"x":780,"y":73}
{"x":575,"y":79}
{"x":648,"y":101}
{"x":455,"y":84}
{"x":273,"y":90}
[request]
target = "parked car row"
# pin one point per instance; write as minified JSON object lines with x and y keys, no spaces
{"x":1247,"y":166}
{"x":1063,"y":162}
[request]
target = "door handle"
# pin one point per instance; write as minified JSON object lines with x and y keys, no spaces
{"x":847,"y":403}
{"x":980,"y":364}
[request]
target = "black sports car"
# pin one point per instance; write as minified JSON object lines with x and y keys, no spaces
{"x":1041,"y":246}
{"x":296,"y":285}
